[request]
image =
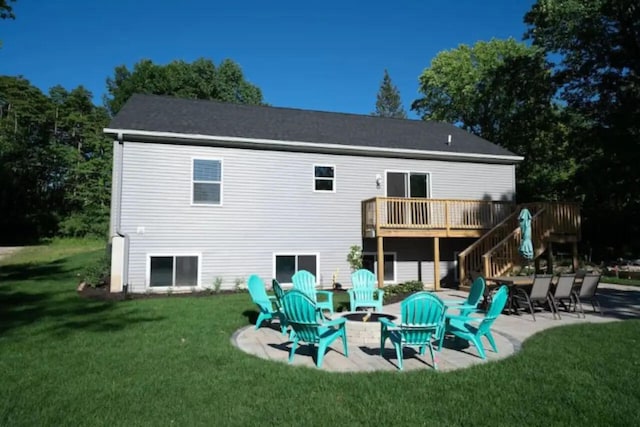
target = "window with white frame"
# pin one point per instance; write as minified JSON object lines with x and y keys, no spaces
{"x":324,"y":177}
{"x":370,"y":262}
{"x":169,"y":270}
{"x":286,"y":265}
{"x":207,"y":181}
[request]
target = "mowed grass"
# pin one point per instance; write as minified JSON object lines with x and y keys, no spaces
{"x":69,"y":361}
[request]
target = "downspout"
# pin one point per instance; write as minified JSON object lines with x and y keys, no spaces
{"x":125,"y":267}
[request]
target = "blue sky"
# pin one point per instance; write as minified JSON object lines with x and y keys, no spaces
{"x":321,"y":55}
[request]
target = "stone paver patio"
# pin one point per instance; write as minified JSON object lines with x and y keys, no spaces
{"x":618,"y":302}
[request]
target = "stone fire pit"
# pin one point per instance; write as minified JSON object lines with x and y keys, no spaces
{"x":366,"y":332}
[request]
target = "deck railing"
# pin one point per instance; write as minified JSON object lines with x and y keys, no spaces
{"x":418,"y":213}
{"x":470,"y":260}
{"x":548,"y":219}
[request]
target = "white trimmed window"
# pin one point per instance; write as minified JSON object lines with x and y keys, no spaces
{"x":286,"y":265}
{"x":370,"y":262}
{"x":324,"y":178}
{"x":173,"y":270}
{"x":207,"y":182}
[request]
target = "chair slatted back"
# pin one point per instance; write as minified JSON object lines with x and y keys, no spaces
{"x":564,"y":287}
{"x":477,"y":291}
{"x":258,"y":292}
{"x":589,"y":285}
{"x":541,"y":285}
{"x":305,"y":282}
{"x":498,"y":302}
{"x":302,"y":315}
{"x":363,"y":283}
{"x":422,"y":314}
{"x":278,"y":292}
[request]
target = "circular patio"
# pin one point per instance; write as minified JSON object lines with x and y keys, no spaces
{"x":363,"y":339}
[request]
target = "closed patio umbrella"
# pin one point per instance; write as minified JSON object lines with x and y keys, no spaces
{"x":526,"y":246}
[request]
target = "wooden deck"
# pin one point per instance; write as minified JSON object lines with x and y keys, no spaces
{"x":414,"y":217}
{"x":494,"y":223}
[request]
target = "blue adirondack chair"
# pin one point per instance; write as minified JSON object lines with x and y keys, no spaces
{"x":462,"y":326}
{"x":267,"y":304}
{"x":302,"y":316}
{"x":422,"y":317}
{"x":470,"y":304}
{"x":305,"y":282}
{"x":364,"y":292}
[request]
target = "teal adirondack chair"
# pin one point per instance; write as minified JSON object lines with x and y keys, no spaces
{"x":422,"y":317}
{"x":469,"y":305}
{"x":279,"y":294}
{"x":267,"y":304}
{"x":302,"y":316}
{"x":305,"y":282}
{"x":364,"y":292}
{"x":461,"y":326}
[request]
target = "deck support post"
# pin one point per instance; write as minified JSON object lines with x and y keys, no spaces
{"x":550,"y":259}
{"x":380,"y":261}
{"x":574,"y":255}
{"x":436,"y":263}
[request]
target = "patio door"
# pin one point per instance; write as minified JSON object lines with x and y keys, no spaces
{"x":407,"y":184}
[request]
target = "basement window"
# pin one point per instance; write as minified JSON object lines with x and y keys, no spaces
{"x":173,"y":271}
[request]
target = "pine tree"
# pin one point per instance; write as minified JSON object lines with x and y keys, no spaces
{"x":388,"y":103}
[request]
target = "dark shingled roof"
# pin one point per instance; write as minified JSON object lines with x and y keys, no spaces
{"x":190,"y":116}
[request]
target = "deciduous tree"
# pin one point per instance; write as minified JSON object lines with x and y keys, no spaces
{"x":501,"y":90}
{"x":200,"y":79}
{"x":596,"y":47}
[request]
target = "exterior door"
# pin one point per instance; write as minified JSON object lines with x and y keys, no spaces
{"x":407,"y":184}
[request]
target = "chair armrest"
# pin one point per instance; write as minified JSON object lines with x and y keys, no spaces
{"x":463,"y":318}
{"x":335,"y":322}
{"x":387,"y":323}
{"x":329,"y":294}
{"x":454,"y":301}
{"x":380,"y":293}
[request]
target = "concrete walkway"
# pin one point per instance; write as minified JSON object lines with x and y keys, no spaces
{"x":618,"y":302}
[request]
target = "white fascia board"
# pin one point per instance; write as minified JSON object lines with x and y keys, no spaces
{"x":337,"y":148}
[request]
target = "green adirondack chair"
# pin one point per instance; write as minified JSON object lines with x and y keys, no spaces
{"x":462,"y":326}
{"x":422,"y":317}
{"x":267,"y":304}
{"x":302,"y":316}
{"x":470,"y":304}
{"x":364,"y":292}
{"x":305,"y":282}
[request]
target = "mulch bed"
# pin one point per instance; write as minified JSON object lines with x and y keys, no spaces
{"x":102,"y":293}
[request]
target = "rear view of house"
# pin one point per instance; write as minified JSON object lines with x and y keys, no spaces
{"x":207,"y":192}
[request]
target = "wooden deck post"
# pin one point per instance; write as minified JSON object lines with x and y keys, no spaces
{"x":436,"y":263}
{"x":550,"y":259}
{"x":574,"y":255}
{"x":380,"y":262}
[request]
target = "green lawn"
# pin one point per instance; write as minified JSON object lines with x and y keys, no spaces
{"x":67,"y":361}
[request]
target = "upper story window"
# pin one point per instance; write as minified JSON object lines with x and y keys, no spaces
{"x":324,"y":178}
{"x":207,"y":182}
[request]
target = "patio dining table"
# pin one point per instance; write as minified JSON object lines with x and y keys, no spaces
{"x":511,"y":282}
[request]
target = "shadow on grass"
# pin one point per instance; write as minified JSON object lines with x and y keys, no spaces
{"x":51,"y":271}
{"x":251,"y":315}
{"x":45,"y":295}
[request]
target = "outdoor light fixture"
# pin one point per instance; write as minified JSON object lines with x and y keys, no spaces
{"x":378,"y":181}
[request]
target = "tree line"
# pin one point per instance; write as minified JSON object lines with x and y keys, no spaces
{"x":566,"y":97}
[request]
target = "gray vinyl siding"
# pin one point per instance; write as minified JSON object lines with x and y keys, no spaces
{"x":269,"y":206}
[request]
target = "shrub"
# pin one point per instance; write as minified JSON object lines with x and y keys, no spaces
{"x":354,"y":257}
{"x":406,"y":288}
{"x":96,"y":273}
{"x":217,"y":284}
